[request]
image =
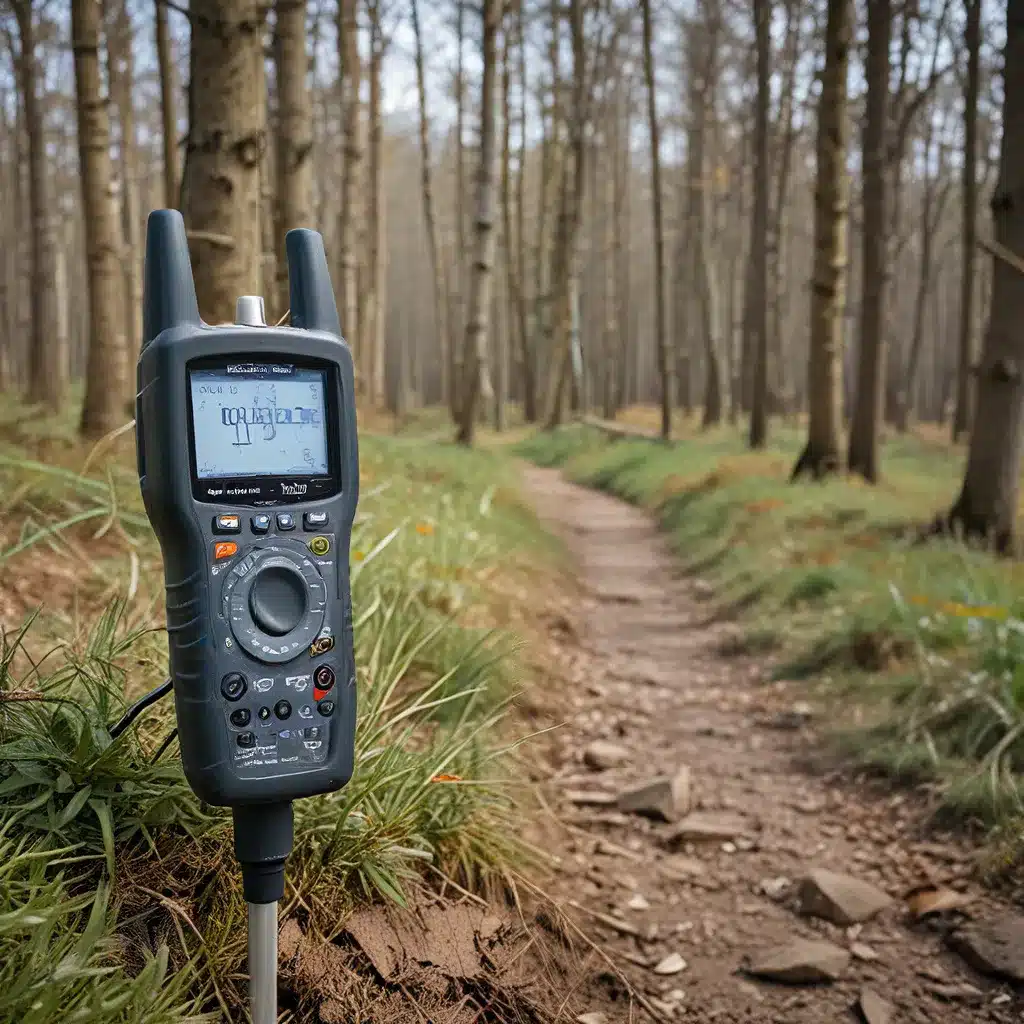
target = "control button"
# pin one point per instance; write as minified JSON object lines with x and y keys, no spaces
{"x":321,"y":645}
{"x":314,"y":520}
{"x":240,"y":717}
{"x":320,"y":545}
{"x":312,"y":733}
{"x":323,"y":677}
{"x":305,"y":711}
{"x":228,"y":523}
{"x":264,"y":685}
{"x":260,"y":523}
{"x":263,"y":714}
{"x":224,"y":549}
{"x":246,"y":739}
{"x":326,"y":708}
{"x":277,"y":599}
{"x":312,"y":744}
{"x":232,"y":686}
{"x":285,"y":521}
{"x":283,"y":709}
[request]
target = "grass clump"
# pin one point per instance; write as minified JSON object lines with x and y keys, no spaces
{"x":119,"y":897}
{"x":923,"y":641}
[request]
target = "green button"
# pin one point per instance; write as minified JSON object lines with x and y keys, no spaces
{"x":319,"y":545}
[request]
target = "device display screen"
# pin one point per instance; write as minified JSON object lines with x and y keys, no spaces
{"x":257,"y":420}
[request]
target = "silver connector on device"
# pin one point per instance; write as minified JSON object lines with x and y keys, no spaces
{"x":249,"y":311}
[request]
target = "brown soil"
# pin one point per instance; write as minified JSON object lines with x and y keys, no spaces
{"x":650,"y":676}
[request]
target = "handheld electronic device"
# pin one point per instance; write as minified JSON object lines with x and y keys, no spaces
{"x":248,"y":465}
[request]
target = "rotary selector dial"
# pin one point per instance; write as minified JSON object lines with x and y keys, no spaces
{"x":274,"y":599}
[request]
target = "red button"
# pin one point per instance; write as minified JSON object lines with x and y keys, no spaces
{"x":224,"y":549}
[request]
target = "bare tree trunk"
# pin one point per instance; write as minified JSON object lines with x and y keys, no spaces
{"x":458,"y":276}
{"x":759,"y":232}
{"x":294,"y":178}
{"x":45,"y":384}
{"x":426,"y":181}
{"x":476,"y":376}
{"x":528,"y":343}
{"x":105,"y":387}
{"x":987,"y":505}
{"x":168,"y":106}
{"x":349,"y":215}
{"x":864,"y":429}
{"x":822,"y":453}
{"x":372,"y":314}
{"x":665,"y":368}
{"x":972,"y":38}
{"x":227,"y":135}
{"x":122,"y":82}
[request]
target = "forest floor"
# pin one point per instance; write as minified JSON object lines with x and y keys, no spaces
{"x":691,"y":909}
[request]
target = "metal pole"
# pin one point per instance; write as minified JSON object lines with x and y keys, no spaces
{"x":263,"y":962}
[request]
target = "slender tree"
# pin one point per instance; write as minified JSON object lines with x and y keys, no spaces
{"x":168,"y":106}
{"x":968,"y":287}
{"x":294,"y":177}
{"x":759,"y":230}
{"x":864,"y":429}
{"x":987,"y":505}
{"x":349,"y":215}
{"x":103,"y":409}
{"x":475,"y":374}
{"x":822,"y":453}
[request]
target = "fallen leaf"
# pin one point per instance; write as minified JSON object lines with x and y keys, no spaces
{"x":446,"y":778}
{"x":925,"y":900}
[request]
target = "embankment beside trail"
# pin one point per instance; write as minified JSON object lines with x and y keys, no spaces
{"x":917,"y":648}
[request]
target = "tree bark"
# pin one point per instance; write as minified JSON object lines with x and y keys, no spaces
{"x":426,"y":185}
{"x":227,"y":136}
{"x":759,"y":230}
{"x":294,"y":177}
{"x":168,"y":106}
{"x":987,"y":505}
{"x":372,"y":313}
{"x":822,"y":453}
{"x":665,"y":368}
{"x":475,"y":377}
{"x":45,"y":383}
{"x":105,"y":380}
{"x":972,"y":38}
{"x":349,"y":215}
{"x":864,"y":429}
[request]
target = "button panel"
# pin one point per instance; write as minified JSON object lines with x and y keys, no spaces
{"x":315,"y":520}
{"x":260,"y":523}
{"x":285,"y":521}
{"x":227,"y":522}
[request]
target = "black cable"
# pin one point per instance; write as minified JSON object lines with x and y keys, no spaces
{"x":139,"y":706}
{"x":163,"y":746}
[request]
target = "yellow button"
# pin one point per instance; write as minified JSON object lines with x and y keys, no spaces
{"x":319,"y":545}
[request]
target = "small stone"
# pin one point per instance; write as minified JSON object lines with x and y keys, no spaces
{"x":672,"y":964}
{"x":863,"y":953}
{"x":1002,"y":999}
{"x":602,"y":755}
{"x":957,"y":993}
{"x":676,"y":995}
{"x":775,"y":888}
{"x":662,"y":798}
{"x":994,"y":947}
{"x":872,"y":1008}
{"x":801,"y":962}
{"x":838,"y":898}
{"x":707,"y":827}
{"x":638,"y":903}
{"x":728,"y":847}
{"x":592,"y":1018}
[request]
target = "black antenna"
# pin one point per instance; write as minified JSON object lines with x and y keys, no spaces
{"x":311,"y":293}
{"x":169,"y":296}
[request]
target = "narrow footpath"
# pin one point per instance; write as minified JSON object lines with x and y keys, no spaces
{"x":702,"y":849}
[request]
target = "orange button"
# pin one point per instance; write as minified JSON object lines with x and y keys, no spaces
{"x":224,"y":549}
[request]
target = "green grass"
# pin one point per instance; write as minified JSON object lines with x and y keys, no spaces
{"x":919,"y":645}
{"x":119,"y":898}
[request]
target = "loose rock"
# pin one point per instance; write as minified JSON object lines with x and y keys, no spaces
{"x":663,"y":798}
{"x":592,"y":1018}
{"x":672,"y":964}
{"x":863,"y":953}
{"x":994,"y":947}
{"x":707,"y":827}
{"x":957,"y":993}
{"x":872,"y":1008}
{"x":602,"y":755}
{"x":841,"y":899}
{"x":801,"y":962}
{"x":638,"y":902}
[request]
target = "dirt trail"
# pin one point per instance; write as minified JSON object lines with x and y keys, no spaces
{"x":652,"y":679}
